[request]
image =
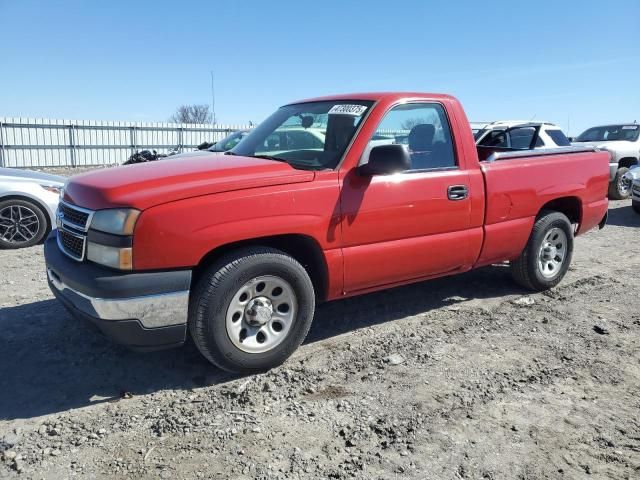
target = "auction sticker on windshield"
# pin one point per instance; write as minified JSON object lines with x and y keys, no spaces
{"x":355,"y":110}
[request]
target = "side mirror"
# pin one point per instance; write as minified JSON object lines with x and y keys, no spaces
{"x":571,"y":139}
{"x":385,"y":160}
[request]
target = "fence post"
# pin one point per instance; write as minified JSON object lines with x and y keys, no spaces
{"x":180,"y":137}
{"x":132,"y":138}
{"x":72,"y":145}
{"x":3,"y":160}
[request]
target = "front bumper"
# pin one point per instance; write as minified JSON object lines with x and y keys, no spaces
{"x":145,"y":311}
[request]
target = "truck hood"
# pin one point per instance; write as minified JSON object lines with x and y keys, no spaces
{"x":604,"y":144}
{"x":148,"y":184}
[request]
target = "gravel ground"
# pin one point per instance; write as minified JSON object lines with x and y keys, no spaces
{"x":464,"y":377}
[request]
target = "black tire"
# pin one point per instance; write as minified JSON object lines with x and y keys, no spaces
{"x":636,"y":206}
{"x":616,"y":192}
{"x":9,"y":240}
{"x":526,"y":270}
{"x":216,"y":289}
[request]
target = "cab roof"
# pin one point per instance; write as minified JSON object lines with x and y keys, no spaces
{"x":377,"y":96}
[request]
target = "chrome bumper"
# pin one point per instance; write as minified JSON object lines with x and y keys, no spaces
{"x":152,"y":311}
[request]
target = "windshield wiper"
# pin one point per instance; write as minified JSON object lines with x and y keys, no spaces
{"x":228,"y":152}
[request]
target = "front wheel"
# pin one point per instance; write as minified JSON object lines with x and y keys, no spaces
{"x":22,"y":224}
{"x":620,"y":188}
{"x":251,"y":310}
{"x":547,"y":255}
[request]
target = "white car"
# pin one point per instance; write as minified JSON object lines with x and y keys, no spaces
{"x":622,"y":141}
{"x":28,"y":202}
{"x":524,"y":135}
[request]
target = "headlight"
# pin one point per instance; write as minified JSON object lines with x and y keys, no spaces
{"x":118,"y":221}
{"x":114,"y":257}
{"x":109,"y":238}
{"x":56,"y":189}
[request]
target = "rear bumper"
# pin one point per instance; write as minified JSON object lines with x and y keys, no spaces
{"x":145,"y":311}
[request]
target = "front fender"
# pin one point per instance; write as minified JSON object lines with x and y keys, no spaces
{"x":179,"y":234}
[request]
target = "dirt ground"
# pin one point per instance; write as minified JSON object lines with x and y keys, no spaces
{"x":466,"y":377}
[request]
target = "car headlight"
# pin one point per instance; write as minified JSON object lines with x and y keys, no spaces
{"x":109,"y":241}
{"x":118,"y":221}
{"x":56,"y":189}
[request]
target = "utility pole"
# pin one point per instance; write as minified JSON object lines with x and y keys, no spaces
{"x":213,"y":100}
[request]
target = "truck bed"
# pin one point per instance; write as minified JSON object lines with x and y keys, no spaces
{"x":519,"y":184}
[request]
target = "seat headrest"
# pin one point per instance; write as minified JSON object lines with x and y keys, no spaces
{"x":421,"y":137}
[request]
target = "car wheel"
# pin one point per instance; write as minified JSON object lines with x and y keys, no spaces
{"x":636,"y":206}
{"x":547,"y":255}
{"x":22,"y":224}
{"x":251,"y":310}
{"x":620,"y":188}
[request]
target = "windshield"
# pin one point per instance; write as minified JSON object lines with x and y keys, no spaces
{"x":310,"y":136}
{"x":610,"y":133}
{"x":228,"y":142}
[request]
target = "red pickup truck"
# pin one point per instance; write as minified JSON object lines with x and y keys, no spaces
{"x":327,"y":198}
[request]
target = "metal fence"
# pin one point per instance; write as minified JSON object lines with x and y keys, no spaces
{"x":32,"y":142}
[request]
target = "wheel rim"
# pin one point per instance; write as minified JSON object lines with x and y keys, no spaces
{"x":553,"y":252}
{"x":18,"y":224}
{"x":261,"y":314}
{"x":624,"y":185}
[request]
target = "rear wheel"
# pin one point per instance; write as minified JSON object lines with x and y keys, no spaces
{"x":620,"y":188}
{"x":22,"y":224}
{"x":547,"y":255}
{"x":251,"y":310}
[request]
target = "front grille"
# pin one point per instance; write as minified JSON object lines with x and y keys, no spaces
{"x":71,"y":244}
{"x":73,"y":223}
{"x":74,"y":216}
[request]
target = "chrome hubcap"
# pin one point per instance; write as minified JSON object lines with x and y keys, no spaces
{"x":18,"y":224}
{"x":261,"y":314}
{"x":624,"y":185}
{"x":552,"y":252}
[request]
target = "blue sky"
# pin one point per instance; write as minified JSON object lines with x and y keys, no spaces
{"x":574,"y":62}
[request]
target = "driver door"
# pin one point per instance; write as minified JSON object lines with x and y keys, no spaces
{"x":406,"y":226}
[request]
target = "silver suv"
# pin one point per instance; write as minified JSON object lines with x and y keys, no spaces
{"x":622,"y":141}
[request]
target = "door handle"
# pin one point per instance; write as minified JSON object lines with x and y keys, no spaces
{"x":457,"y":192}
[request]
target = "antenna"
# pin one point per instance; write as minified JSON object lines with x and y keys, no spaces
{"x":213,"y":100}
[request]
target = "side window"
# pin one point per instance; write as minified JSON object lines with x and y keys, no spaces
{"x":521,"y":137}
{"x":559,"y":138}
{"x":424,"y":128}
{"x":495,"y":138}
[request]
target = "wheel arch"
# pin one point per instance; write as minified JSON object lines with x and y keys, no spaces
{"x":569,"y":206}
{"x":627,"y":162}
{"x":303,"y":248}
{"x":35,"y":201}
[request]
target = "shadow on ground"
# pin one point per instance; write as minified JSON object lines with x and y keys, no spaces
{"x":52,"y":363}
{"x":623,"y":216}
